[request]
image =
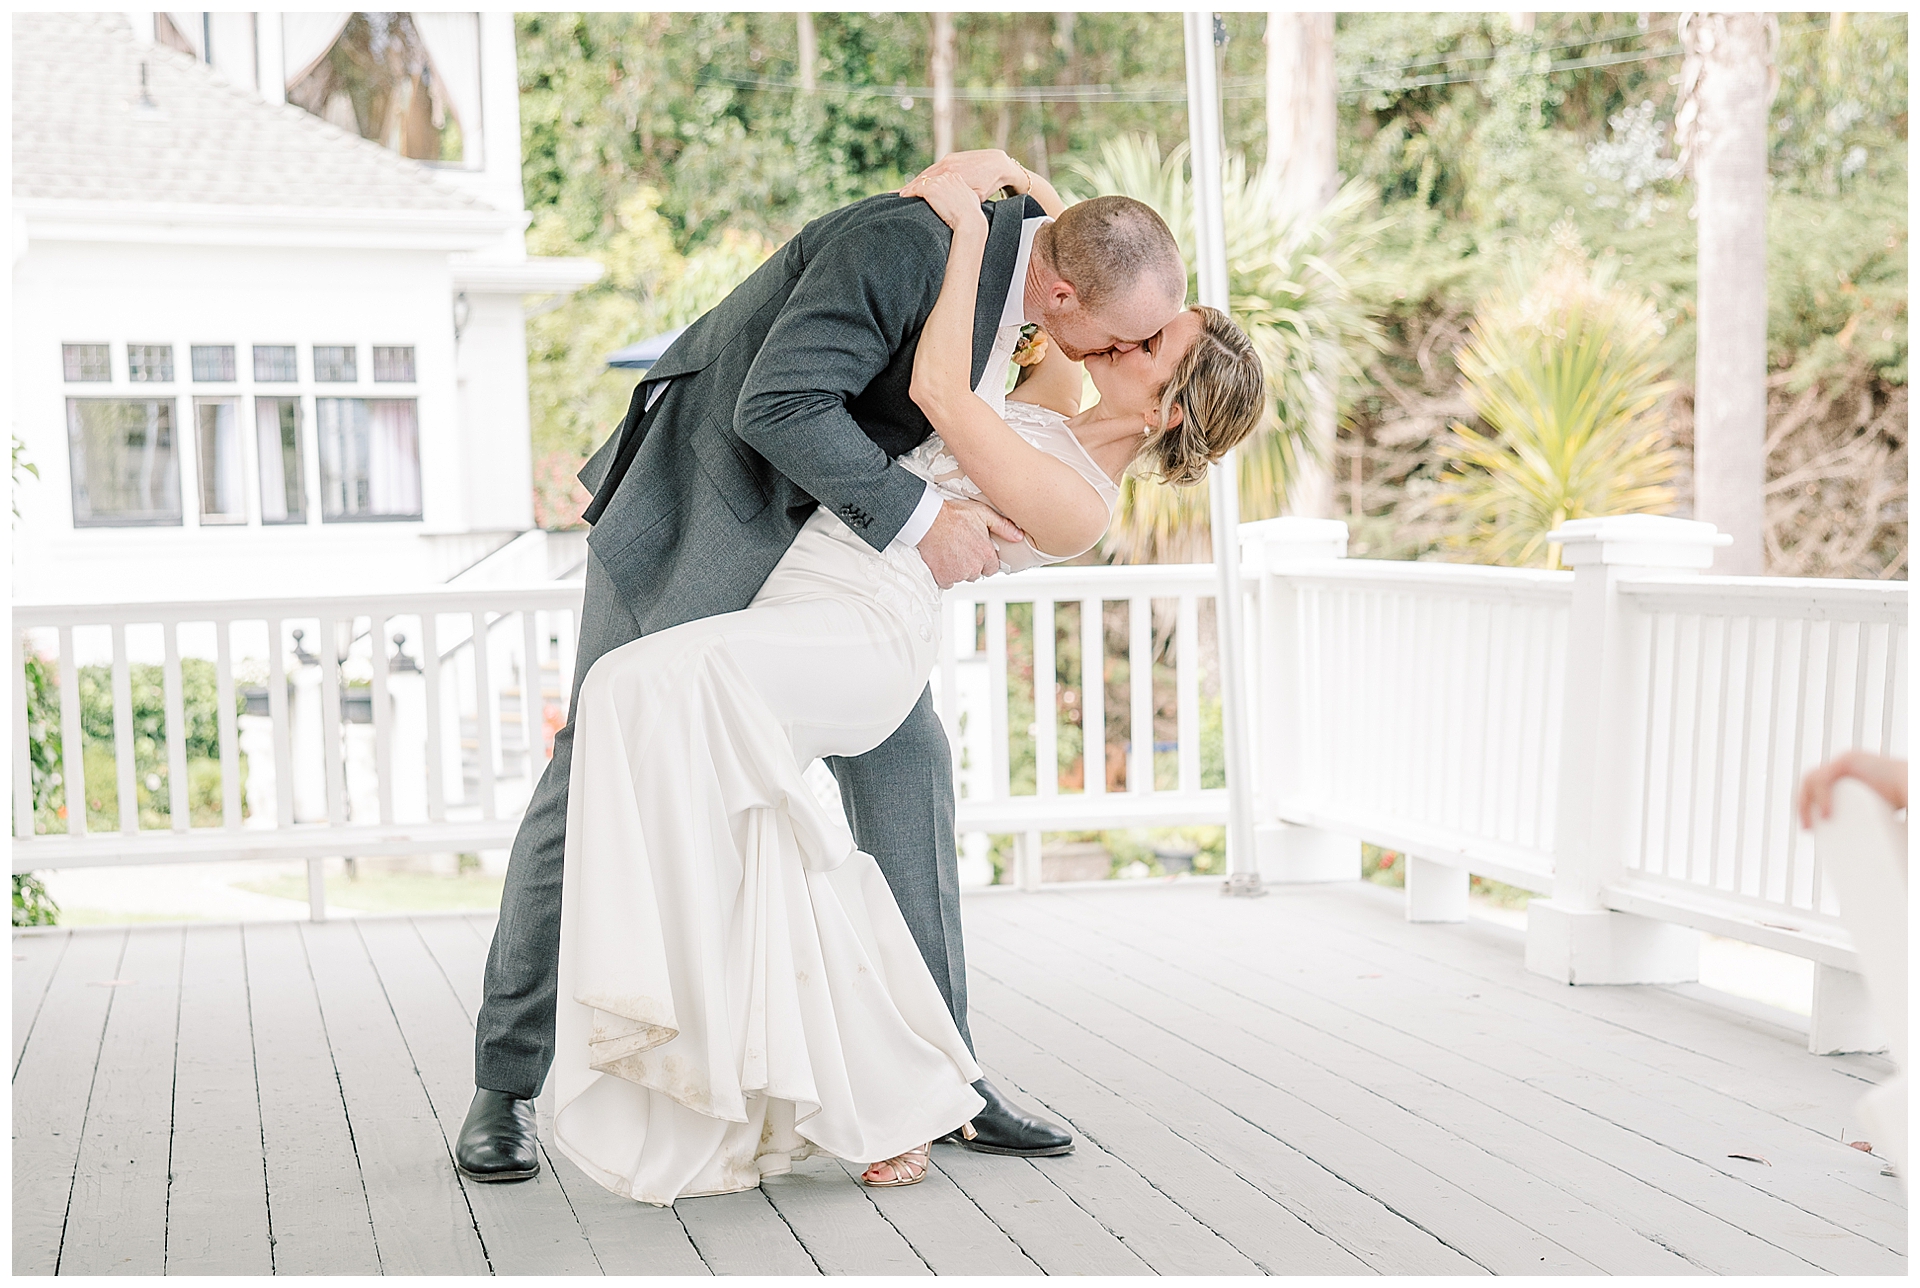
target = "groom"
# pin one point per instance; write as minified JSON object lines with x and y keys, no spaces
{"x":792,"y":392}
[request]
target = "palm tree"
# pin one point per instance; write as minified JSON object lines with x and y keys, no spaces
{"x":1723,"y":129}
{"x":1288,"y":279}
{"x":1563,"y":371}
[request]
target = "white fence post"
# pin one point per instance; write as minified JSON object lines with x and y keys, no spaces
{"x":1290,"y":852}
{"x":1573,"y":937}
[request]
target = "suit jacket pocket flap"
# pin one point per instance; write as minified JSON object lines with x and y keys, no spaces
{"x":724,"y":460}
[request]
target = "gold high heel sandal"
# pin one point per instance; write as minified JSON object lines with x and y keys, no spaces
{"x":909,"y":1168}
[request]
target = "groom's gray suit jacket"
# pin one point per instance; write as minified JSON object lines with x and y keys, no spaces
{"x":792,"y":390}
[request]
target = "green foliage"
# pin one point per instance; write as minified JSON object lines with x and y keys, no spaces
{"x":1563,"y":371}
{"x":1288,"y":279}
{"x":32,"y":905}
{"x":199,"y":700}
{"x":21,"y":465}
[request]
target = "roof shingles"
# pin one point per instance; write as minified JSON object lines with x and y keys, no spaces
{"x":79,"y":133}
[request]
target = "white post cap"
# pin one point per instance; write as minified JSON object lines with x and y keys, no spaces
{"x":1640,"y":541}
{"x":1267,"y":543}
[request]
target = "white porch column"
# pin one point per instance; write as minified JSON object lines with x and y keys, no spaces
{"x":1286,"y":715}
{"x":1573,"y":937}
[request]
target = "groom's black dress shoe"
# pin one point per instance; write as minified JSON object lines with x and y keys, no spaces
{"x":498,"y":1140}
{"x":1004,"y":1128}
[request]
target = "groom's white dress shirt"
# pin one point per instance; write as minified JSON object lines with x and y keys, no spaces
{"x":993,"y":381}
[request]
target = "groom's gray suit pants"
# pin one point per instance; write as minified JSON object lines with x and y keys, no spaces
{"x":899,"y":800}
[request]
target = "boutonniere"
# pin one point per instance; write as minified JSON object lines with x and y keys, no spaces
{"x":1031,"y":347}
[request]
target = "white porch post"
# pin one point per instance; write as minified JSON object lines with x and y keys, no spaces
{"x":1573,"y":937}
{"x":1203,"y":125}
{"x":1288,"y":717}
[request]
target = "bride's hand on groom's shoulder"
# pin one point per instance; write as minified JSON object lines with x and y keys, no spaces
{"x":951,"y":199}
{"x":984,"y":170}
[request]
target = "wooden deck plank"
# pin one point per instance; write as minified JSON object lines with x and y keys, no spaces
{"x":742,"y":1234}
{"x":316,"y":1199}
{"x":627,"y":1238}
{"x":1562,"y":1144}
{"x":1137,"y":1211}
{"x":1316,"y":1197}
{"x":528,"y":1227}
{"x":420,"y":1215}
{"x":51,"y":1084}
{"x":1578,"y":1058}
{"x":1264,"y":1234}
{"x":1534,"y":1041}
{"x":1056,"y":1233}
{"x":117,"y":1220}
{"x":945,"y":1229}
{"x":451,"y":941}
{"x":217,"y":1203}
{"x":35,"y":958}
{"x":839,"y":1227}
{"x":1719,"y":1048}
{"x":1335,"y":1125}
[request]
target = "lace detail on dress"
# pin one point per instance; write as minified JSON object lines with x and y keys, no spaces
{"x":1046,"y":430}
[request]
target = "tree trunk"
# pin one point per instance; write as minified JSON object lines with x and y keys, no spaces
{"x":809,"y":51}
{"x":942,"y":84}
{"x":1301,"y":113}
{"x":1727,"y":140}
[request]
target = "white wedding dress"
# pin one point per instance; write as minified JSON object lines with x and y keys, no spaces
{"x":738,"y":988}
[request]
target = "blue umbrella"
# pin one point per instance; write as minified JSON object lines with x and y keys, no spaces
{"x":641,"y":355}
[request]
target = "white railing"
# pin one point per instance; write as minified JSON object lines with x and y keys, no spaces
{"x":1625,"y":737}
{"x":1747,"y":683}
{"x":973,"y":693}
{"x":316,"y":783}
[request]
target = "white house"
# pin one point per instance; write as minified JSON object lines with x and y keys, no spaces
{"x":269,"y":279}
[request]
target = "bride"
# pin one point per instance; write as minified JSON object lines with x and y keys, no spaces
{"x":738,"y":989}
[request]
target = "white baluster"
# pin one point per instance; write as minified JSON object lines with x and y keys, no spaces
{"x":1187,"y":690}
{"x":533,"y":700}
{"x":436,"y":730}
{"x":483,"y":713}
{"x":332,"y":750}
{"x":22,"y":745}
{"x":997,"y":695}
{"x":123,"y":735}
{"x":1046,"y":702}
{"x":231,"y":786}
{"x":282,"y":721}
{"x":174,"y":705}
{"x":382,"y":701}
{"x":1140,"y":681}
{"x":73,"y":760}
{"x":1093,"y":696}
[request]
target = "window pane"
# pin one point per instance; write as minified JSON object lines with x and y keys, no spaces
{"x":150,"y":362}
{"x":334,"y":363}
{"x":125,"y":466}
{"x":222,"y":472}
{"x":85,"y":362}
{"x":283,"y":493}
{"x":275,"y":362}
{"x":213,"y":362}
{"x":369,"y":458}
{"x":393,"y":362}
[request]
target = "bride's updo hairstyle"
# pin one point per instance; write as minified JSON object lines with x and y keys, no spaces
{"x":1221,"y":393}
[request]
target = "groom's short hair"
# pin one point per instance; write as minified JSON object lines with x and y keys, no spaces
{"x":1103,"y":246}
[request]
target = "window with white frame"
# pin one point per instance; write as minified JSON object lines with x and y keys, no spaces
{"x":369,"y":458}
{"x":127,"y":461}
{"x":86,"y":363}
{"x":275,"y":364}
{"x":150,"y":363}
{"x":221,"y":467}
{"x":335,"y":364}
{"x":282,"y":454}
{"x":124,"y":461}
{"x":213,"y":363}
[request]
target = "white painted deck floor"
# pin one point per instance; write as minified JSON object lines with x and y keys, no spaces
{"x":1297,"y":1084}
